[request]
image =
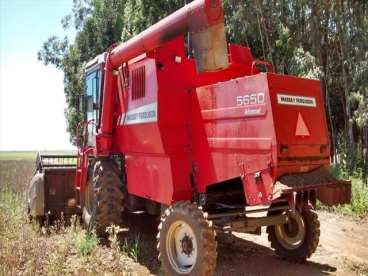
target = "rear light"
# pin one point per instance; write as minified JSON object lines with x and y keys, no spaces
{"x":284,"y":149}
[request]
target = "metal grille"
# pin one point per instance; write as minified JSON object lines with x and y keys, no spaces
{"x":138,"y":83}
{"x":54,"y":161}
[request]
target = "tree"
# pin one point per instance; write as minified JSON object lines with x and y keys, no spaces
{"x":99,"y":24}
{"x":320,"y":39}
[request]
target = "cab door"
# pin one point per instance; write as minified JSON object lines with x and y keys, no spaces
{"x":93,"y":99}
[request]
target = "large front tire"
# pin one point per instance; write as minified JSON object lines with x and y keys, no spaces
{"x":103,"y":198}
{"x":298,"y":239}
{"x":186,"y":241}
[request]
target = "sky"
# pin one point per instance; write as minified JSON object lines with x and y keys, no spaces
{"x":32,"y":100}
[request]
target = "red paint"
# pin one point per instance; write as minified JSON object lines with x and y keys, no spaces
{"x":207,"y":132}
{"x":301,"y":127}
{"x":191,"y":18}
{"x":197,"y":130}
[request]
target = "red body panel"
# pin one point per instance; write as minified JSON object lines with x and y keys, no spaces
{"x":233,"y":139}
{"x":165,"y":139}
{"x":304,"y":153}
{"x":181,"y":131}
{"x":207,"y":13}
{"x":209,"y":128}
{"x":240,"y":128}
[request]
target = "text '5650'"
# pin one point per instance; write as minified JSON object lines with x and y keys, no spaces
{"x":250,"y":99}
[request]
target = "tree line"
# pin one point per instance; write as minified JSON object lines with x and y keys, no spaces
{"x":327,"y":40}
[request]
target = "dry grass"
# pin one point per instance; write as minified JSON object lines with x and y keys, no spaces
{"x":14,"y":174}
{"x":27,"y":249}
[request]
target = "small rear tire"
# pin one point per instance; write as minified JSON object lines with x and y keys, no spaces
{"x":186,"y":241}
{"x":298,"y":239}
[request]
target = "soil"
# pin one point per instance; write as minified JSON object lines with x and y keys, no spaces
{"x":343,"y":250}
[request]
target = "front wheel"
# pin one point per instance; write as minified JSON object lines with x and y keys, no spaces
{"x":103,"y":197}
{"x":298,"y":239}
{"x":186,"y":241}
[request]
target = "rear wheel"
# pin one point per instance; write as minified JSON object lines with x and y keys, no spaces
{"x":298,"y":239}
{"x":103,"y":197}
{"x":186,"y":241}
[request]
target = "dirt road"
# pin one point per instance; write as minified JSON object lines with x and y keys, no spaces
{"x":343,"y":250}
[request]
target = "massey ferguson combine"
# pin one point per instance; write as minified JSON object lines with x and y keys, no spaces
{"x":192,"y":131}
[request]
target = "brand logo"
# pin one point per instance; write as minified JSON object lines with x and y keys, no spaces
{"x":296,"y":100}
{"x":143,"y":114}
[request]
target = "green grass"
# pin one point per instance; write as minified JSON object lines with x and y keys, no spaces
{"x":28,"y":155}
{"x":85,"y":242}
{"x":17,"y":155}
{"x":131,"y":248}
{"x":359,"y":201}
{"x":11,"y":202}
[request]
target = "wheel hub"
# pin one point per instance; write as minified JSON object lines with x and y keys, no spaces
{"x":292,"y":234}
{"x":187,"y":245}
{"x":181,"y":247}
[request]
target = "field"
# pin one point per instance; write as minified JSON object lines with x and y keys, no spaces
{"x":26,"y":155}
{"x":66,"y":248}
{"x":17,"y":155}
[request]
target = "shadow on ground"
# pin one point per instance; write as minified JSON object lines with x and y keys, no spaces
{"x":236,"y":256}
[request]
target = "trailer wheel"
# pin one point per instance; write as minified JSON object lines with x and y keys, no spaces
{"x":298,"y":239}
{"x":186,"y":241}
{"x":103,"y":198}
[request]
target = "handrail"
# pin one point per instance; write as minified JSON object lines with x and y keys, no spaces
{"x":84,"y":150}
{"x":83,"y":125}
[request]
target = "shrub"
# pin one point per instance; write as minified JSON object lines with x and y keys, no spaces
{"x":359,"y":200}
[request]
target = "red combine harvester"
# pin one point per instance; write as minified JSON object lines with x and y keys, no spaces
{"x":208,"y":142}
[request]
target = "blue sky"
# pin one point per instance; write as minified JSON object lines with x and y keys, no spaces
{"x":32,"y":101}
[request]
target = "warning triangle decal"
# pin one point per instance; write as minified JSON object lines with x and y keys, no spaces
{"x":301,"y":127}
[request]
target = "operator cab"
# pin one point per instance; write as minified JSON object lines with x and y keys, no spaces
{"x":92,"y":98}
